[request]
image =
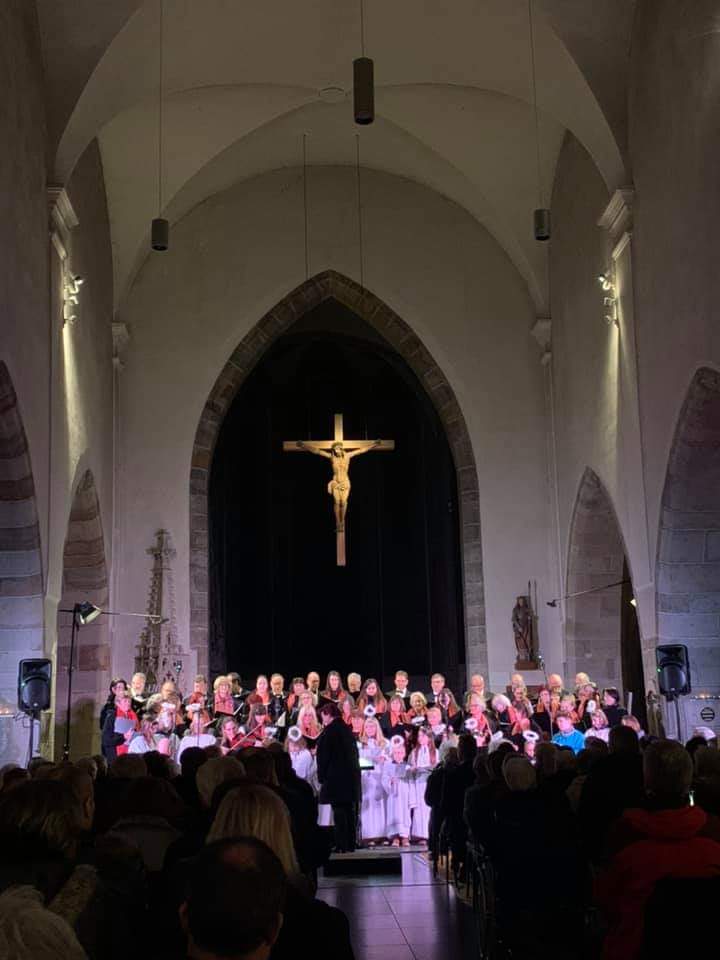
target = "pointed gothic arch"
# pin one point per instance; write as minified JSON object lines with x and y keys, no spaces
{"x":21,"y":568}
{"x":688,"y":571}
{"x":601,"y":628}
{"x":84,"y":578}
{"x":325,"y":286}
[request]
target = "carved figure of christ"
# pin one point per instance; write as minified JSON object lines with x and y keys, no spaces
{"x":339,"y":452}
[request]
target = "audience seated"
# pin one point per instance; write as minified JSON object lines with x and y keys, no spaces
{"x":668,"y":839}
{"x":30,"y":931}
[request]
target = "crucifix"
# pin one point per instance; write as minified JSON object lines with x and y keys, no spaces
{"x":340,"y":452}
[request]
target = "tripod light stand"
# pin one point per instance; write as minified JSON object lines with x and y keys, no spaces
{"x":83,"y":614}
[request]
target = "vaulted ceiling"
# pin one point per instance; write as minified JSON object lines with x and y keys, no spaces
{"x":243,"y":81}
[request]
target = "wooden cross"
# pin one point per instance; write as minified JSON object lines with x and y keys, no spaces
{"x":339,"y":451}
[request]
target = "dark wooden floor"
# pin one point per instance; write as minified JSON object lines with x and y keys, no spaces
{"x":403,"y":918}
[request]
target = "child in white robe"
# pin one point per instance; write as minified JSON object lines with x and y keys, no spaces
{"x":305,"y":766}
{"x":422,"y":760}
{"x":372,"y":808}
{"x":397,"y":789}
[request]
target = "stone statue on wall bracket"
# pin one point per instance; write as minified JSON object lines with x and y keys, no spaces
{"x":523,"y":624}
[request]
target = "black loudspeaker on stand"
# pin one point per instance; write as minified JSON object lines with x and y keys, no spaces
{"x":673,"y":668}
{"x":34,"y":691}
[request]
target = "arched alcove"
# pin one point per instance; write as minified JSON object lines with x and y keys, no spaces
{"x":21,"y":573}
{"x":601,"y":628}
{"x":396,"y":333}
{"x":84,"y":578}
{"x":688,"y":575}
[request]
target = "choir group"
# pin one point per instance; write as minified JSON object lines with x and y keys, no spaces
{"x":400,"y":735}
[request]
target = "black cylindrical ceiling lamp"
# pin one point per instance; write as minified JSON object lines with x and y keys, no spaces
{"x":160,"y":228}
{"x":160,"y":234}
{"x":541,"y":223}
{"x":364,"y":90}
{"x":363,"y":81}
{"x":541,"y":216}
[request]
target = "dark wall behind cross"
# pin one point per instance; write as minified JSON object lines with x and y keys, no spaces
{"x":278,"y":601}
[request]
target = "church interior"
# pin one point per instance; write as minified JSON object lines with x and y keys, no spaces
{"x":475,"y":243}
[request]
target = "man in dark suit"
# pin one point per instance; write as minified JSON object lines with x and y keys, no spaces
{"x":338,"y":768}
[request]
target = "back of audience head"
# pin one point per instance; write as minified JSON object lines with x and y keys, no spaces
{"x":81,"y":784}
{"x":228,"y":873}
{"x":191,"y":760}
{"x":29,"y":931}
{"x":467,"y":748}
{"x":546,"y":760}
{"x":707,"y":763}
{"x":88,"y":766}
{"x":158,"y":765}
{"x":495,"y":761}
{"x":259,"y":766}
{"x":667,"y":773}
{"x":212,"y":773}
{"x":153,"y":797}
{"x":518,"y":773}
{"x":40,"y":819}
{"x":129,"y":766}
{"x":254,"y":810}
{"x":623,"y":740}
{"x":101,"y":765}
{"x":694,"y":744}
{"x":37,"y":766}
{"x":12,"y":777}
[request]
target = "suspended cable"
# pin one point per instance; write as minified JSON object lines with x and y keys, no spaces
{"x":359,"y":209}
{"x":305,"y":208}
{"x":541,"y":216}
{"x":159,"y":228}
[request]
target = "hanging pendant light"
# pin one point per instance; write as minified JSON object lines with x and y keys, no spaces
{"x":541,"y":216}
{"x":363,"y":80}
{"x":160,"y":228}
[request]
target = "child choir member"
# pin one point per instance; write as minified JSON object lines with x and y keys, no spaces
{"x":372,"y":809}
{"x":423,"y":758}
{"x":397,"y":791}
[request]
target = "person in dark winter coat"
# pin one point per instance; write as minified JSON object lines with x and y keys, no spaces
{"x":338,"y":768}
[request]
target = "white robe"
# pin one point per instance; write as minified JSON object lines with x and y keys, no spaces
{"x":397,"y":789}
{"x":420,"y":771}
{"x":372,"y":808}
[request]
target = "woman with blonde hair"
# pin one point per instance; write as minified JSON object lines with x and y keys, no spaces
{"x":307,"y":718}
{"x":418,"y":707}
{"x":223,"y":701}
{"x":253,"y":810}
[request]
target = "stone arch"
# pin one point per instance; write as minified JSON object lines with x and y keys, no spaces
{"x":688,"y":574}
{"x":84,"y":578}
{"x":601,"y":629}
{"x":21,"y":569}
{"x":324,"y":286}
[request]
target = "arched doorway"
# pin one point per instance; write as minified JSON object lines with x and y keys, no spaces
{"x":688,"y":575}
{"x":277,"y":596}
{"x":84,"y":578}
{"x":602,"y":634}
{"x":398,"y":336}
{"x":21,"y":572}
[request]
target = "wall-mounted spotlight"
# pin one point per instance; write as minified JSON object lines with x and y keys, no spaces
{"x":541,"y":223}
{"x":610,"y":299}
{"x":71,"y":296}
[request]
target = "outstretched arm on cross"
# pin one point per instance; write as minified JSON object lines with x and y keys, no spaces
{"x":363,"y":447}
{"x":311,"y":448}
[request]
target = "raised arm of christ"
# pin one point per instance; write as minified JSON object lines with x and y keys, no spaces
{"x":339,"y":452}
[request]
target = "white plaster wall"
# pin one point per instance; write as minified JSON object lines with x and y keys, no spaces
{"x":233,"y":258}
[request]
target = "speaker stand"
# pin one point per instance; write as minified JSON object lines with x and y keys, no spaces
{"x":34,"y":717}
{"x":677,"y":719}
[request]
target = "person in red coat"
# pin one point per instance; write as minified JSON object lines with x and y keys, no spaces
{"x":670,"y":839}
